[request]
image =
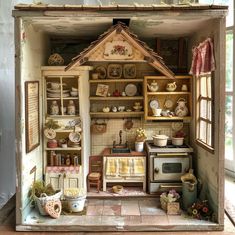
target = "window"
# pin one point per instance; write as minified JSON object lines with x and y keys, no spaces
{"x":205,"y":112}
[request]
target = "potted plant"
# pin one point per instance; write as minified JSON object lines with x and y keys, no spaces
{"x":139,"y":139}
{"x":40,"y":194}
{"x":169,"y":202}
{"x":178,"y":138}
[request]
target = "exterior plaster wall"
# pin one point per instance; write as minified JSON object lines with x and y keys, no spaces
{"x":33,"y":49}
{"x":210,"y":166}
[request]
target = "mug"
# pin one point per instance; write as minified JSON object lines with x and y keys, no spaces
{"x":184,"y":87}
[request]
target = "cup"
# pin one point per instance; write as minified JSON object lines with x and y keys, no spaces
{"x":121,"y":108}
{"x":156,"y":112}
{"x":95,"y":75}
{"x":184,"y":87}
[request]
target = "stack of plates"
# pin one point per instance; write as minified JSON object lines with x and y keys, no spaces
{"x":52,"y":93}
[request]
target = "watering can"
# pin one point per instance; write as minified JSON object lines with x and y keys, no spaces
{"x":189,"y":189}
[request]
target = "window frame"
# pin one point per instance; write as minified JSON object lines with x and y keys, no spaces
{"x":199,"y":118}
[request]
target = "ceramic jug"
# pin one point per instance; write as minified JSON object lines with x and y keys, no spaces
{"x":54,"y":108}
{"x":71,"y":108}
{"x":153,"y":86}
{"x":171,"y":86}
{"x":181,"y":110}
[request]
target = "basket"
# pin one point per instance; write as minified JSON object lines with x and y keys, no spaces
{"x":43,"y":199}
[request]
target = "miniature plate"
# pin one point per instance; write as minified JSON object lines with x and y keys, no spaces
{"x":131,"y":89}
{"x":177,"y":126}
{"x":154,"y":104}
{"x":56,"y":95}
{"x":168,"y":103}
{"x":56,"y":91}
{"x":101,"y":70}
{"x":75,"y":137}
{"x":50,"y":133}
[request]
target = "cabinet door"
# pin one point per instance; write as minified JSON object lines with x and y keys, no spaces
{"x":55,"y":179}
{"x":72,"y":181}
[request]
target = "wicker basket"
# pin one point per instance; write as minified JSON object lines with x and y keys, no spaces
{"x":41,"y":201}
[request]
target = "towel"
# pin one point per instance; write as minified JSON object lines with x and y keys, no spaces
{"x":111,"y":167}
{"x":124,"y":166}
{"x":138,"y":167}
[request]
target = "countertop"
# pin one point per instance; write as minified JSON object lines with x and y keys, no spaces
{"x":107,"y":152}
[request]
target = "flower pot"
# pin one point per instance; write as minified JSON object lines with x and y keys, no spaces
{"x":76,"y":204}
{"x":177,"y":140}
{"x":139,"y":146}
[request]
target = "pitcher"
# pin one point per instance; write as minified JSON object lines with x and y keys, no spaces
{"x":181,"y":110}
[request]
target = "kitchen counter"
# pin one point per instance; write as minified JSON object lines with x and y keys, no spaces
{"x":107,"y":152}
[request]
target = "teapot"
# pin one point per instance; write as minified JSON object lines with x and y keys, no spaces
{"x":181,"y":110}
{"x":171,"y":86}
{"x":153,"y":86}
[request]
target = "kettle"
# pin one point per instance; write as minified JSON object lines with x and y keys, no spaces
{"x":153,"y":86}
{"x":171,"y":86}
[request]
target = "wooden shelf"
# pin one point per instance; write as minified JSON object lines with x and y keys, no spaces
{"x":117,"y":98}
{"x":117,"y":114}
{"x":169,"y":93}
{"x":165,"y":78}
{"x":63,"y":149}
{"x":65,"y":131}
{"x":62,"y":116}
{"x":116,"y":80}
{"x":168,"y":118}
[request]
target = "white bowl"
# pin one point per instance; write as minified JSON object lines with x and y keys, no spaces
{"x":74,"y":89}
{"x":160,"y":140}
{"x":177,"y":140}
{"x":74,"y":93}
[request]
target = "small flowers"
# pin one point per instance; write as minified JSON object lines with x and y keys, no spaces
{"x":140,"y":135}
{"x":200,"y":210}
{"x":171,"y":196}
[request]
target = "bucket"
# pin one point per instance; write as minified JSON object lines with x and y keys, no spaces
{"x":76,"y":204}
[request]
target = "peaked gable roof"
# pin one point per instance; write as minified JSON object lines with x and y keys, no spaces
{"x":122,"y":31}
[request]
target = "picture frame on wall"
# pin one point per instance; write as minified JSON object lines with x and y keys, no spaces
{"x":32,"y":120}
{"x":102,"y":90}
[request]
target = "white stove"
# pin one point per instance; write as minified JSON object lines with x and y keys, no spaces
{"x":166,"y":166}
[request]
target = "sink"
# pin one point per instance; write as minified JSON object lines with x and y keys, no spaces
{"x":120,"y":150}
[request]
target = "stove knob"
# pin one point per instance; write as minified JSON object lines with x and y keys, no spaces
{"x":156,"y":170}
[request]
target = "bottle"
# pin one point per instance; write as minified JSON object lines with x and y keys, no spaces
{"x":52,"y":155}
{"x":71,"y":108}
{"x":54,"y":108}
{"x":68,"y":160}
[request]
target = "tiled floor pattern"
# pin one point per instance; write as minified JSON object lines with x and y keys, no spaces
{"x":120,"y":212}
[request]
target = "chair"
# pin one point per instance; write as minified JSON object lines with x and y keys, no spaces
{"x":95,"y":172}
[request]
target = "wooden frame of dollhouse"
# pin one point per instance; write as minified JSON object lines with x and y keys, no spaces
{"x":209,"y":167}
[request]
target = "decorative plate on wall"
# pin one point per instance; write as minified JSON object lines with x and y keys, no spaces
{"x":168,"y":103}
{"x":114,"y":71}
{"x":129,"y":70}
{"x":101,"y":70}
{"x":154,"y":104}
{"x":131,"y":89}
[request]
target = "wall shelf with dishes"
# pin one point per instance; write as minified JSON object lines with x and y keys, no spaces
{"x":62,"y":142}
{"x":115,"y":91}
{"x":167,"y":99}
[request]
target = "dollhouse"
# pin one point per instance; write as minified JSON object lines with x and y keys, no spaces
{"x":109,"y":113}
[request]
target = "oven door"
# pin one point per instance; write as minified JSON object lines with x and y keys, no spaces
{"x":170,"y":166}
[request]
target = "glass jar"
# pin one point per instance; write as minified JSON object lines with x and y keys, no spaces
{"x":71,"y":108}
{"x":54,"y":108}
